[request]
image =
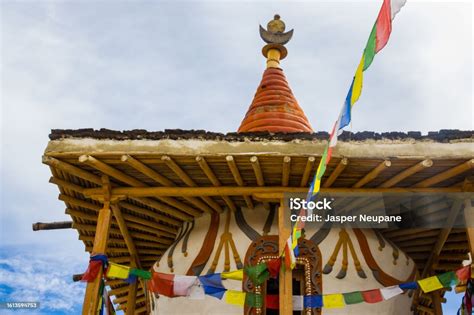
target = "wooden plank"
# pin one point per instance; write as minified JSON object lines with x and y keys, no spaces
{"x":91,"y":297}
{"x":373,"y":174}
{"x":189,"y":181}
{"x":286,"y":278}
{"x":307,"y":171}
{"x":459,"y":169}
{"x":407,"y":173}
{"x":257,"y":171}
{"x":214,"y":180}
{"x":285,"y":174}
{"x":238,"y":178}
{"x":335,"y":174}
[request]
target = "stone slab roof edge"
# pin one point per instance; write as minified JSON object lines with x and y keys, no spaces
{"x":444,"y":135}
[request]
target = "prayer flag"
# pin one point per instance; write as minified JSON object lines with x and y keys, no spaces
{"x":369,"y":51}
{"x":273,"y":266}
{"x":92,"y":271}
{"x":463,"y":273}
{"x":117,"y":271}
{"x":140,"y":273}
{"x":333,"y":300}
{"x":390,"y":292}
{"x":353,"y":297}
{"x":182,"y":285}
{"x":313,"y":301}
{"x":448,"y":279}
{"x":234,"y":275}
{"x":258,"y":273}
{"x":345,"y":115}
{"x":409,"y":285}
{"x":162,"y":283}
{"x":272,"y":301}
{"x":384,"y":26}
{"x":290,"y":259}
{"x":212,"y":285}
{"x":298,"y":303}
{"x":395,"y":6}
{"x":430,"y":284}
{"x":358,"y":79}
{"x":253,"y":300}
{"x":235,"y":297}
{"x":372,"y":296}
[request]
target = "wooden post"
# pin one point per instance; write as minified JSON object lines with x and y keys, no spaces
{"x":286,"y":279}
{"x":437,"y":303}
{"x":91,"y":298}
{"x":132,"y":294}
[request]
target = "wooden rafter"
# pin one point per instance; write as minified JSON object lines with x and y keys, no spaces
{"x":259,"y":176}
{"x":307,"y":171}
{"x":115,"y":173}
{"x":238,"y":178}
{"x":286,"y":169}
{"x":189,"y":181}
{"x":459,"y":169}
{"x":247,"y":190}
{"x":335,"y":174}
{"x":214,"y":180}
{"x":373,"y":174}
{"x":407,"y":173}
{"x":151,"y":173}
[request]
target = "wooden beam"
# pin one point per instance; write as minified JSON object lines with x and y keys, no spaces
{"x":71,"y":169}
{"x":91,"y":297}
{"x":39,"y":226}
{"x":109,"y":170}
{"x":66,"y":184}
{"x":189,"y":181}
{"x":286,"y":278}
{"x":214,"y":180}
{"x":335,"y":174}
{"x":257,"y":170}
{"x":238,"y":179}
{"x":246,"y":190}
{"x":122,"y":242}
{"x":373,"y":174}
{"x":307,"y":171}
{"x":132,"y":295}
{"x":286,"y":169}
{"x":407,"y":173}
{"x":461,"y":168}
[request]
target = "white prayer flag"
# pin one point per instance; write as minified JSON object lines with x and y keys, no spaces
{"x":183,"y":284}
{"x":390,"y":292}
{"x":298,"y":303}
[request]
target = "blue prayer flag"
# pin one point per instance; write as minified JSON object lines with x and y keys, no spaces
{"x":409,"y":285}
{"x":346,"y":110}
{"x":212,"y":285}
{"x":313,"y":301}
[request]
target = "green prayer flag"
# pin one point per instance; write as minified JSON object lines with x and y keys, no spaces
{"x":353,"y":297}
{"x":141,"y":273}
{"x":258,"y":273}
{"x":253,"y":300}
{"x":322,"y":170}
{"x":369,"y":51}
{"x":448,"y":279}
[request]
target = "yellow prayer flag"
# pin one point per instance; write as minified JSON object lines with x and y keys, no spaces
{"x":359,"y":77}
{"x":333,"y":300}
{"x":117,"y":271}
{"x":430,"y":284}
{"x":235,"y":297}
{"x":234,"y":275}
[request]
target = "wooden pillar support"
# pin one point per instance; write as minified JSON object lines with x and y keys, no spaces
{"x":132,"y":295}
{"x":91,"y":298}
{"x":286,"y":282}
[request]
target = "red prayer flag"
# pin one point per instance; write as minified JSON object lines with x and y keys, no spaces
{"x":372,"y":296}
{"x":273,"y":267}
{"x":92,"y":270}
{"x":383,"y":25}
{"x":463,"y":273}
{"x":162,"y":283}
{"x":272,"y":301}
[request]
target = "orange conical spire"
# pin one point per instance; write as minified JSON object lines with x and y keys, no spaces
{"x":274,"y":107}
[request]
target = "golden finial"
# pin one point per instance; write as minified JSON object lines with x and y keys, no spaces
{"x":275,"y":38}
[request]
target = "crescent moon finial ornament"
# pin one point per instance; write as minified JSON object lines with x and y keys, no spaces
{"x":275,"y":32}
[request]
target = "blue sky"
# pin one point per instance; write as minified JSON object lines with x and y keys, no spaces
{"x":195,"y":65}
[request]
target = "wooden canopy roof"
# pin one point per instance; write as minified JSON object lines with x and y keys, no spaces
{"x":190,"y":161}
